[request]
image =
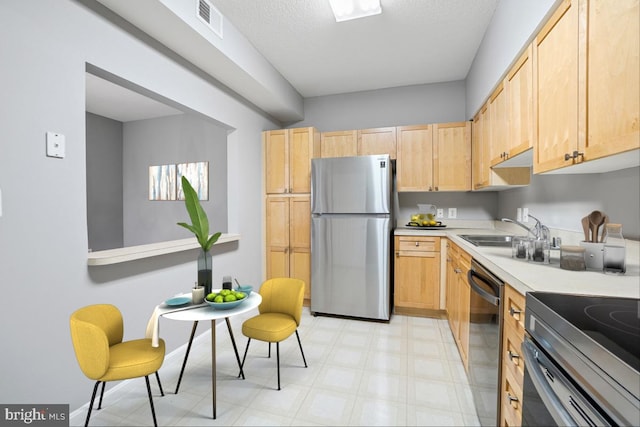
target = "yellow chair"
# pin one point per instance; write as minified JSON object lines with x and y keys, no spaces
{"x":280,"y":313}
{"x":97,"y":332}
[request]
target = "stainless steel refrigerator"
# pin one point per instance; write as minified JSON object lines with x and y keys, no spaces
{"x":351,"y":226}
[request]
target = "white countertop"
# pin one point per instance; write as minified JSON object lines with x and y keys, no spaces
{"x":532,"y":276}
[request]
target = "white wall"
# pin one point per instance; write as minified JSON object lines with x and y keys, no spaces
{"x":43,"y":227}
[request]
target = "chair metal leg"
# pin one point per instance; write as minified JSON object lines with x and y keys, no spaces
{"x":159,"y":385}
{"x":269,"y":350}
{"x":300,"y":344}
{"x":101,"y":395}
{"x":278,"y":359}
{"x":184,"y":362}
{"x":235,"y":348}
{"x":244,"y":357}
{"x":153,"y":411}
{"x":93,"y":397}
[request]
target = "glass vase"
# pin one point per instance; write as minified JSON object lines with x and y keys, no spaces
{"x":205,"y":271}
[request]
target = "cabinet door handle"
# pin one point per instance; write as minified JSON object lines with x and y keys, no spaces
{"x":515,"y":313}
{"x":457,"y":270}
{"x":512,"y":399}
{"x":417,"y":244}
{"x":512,"y":356}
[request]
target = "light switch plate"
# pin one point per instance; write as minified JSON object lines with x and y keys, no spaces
{"x":525,"y":214}
{"x":439,"y":213}
{"x":519,"y":214}
{"x":55,"y":145}
{"x":453,"y":213}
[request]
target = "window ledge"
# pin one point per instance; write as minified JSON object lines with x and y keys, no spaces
{"x":131,"y":253}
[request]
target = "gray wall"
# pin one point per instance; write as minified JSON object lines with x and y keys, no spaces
{"x":512,"y":26}
{"x":43,"y":227}
{"x":104,"y":182}
{"x":171,"y":140}
{"x":562,"y":201}
{"x":409,"y":105}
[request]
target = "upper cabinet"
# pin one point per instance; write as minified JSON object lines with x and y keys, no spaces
{"x":434,"y":157}
{"x":452,"y":156}
{"x":587,"y":91}
{"x":288,"y":154}
{"x":499,"y":130}
{"x":339,"y":143}
{"x":556,"y":77}
{"x":414,"y":170}
{"x":377,"y":141}
{"x":484,"y":176}
{"x":519,"y":96}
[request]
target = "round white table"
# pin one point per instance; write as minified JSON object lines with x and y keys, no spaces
{"x":207,"y":312}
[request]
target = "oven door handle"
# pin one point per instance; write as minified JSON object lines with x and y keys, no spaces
{"x":492,"y":299}
{"x":539,"y":373}
{"x":544,"y":390}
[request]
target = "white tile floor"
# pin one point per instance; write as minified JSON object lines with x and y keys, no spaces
{"x":404,"y":373}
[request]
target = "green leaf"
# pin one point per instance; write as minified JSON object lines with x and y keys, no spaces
{"x":199,"y":220}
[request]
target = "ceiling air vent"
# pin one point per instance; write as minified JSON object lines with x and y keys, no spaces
{"x":210,"y":16}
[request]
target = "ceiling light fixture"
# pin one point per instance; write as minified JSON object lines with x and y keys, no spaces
{"x":345,"y":10}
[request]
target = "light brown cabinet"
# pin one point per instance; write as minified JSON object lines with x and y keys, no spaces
{"x":288,"y":154}
{"x":377,"y":141}
{"x":339,"y":143}
{"x":434,"y":157}
{"x":458,"y":303}
{"x":587,"y":91}
{"x":499,"y":126}
{"x":287,"y":165}
{"x":485,"y":177}
{"x":417,"y":275}
{"x":519,"y":93}
{"x":288,"y":238}
{"x":512,"y":379}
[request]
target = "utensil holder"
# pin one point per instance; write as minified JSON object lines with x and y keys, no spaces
{"x":593,"y":255}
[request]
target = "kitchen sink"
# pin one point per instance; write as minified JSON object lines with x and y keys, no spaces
{"x":488,"y":239}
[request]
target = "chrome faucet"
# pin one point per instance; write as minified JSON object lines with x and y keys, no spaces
{"x":539,"y":231}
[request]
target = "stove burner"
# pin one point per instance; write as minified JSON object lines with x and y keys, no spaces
{"x":613,"y":317}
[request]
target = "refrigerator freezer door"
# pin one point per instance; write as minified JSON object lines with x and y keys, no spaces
{"x":351,"y":185}
{"x":350,"y":265}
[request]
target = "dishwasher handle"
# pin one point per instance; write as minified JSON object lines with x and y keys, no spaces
{"x":493,"y":299}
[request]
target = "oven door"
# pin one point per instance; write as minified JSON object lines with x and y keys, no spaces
{"x":549,"y":398}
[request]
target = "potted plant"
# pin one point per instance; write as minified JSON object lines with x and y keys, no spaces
{"x":200,"y":227}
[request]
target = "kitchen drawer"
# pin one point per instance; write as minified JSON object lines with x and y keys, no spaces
{"x":512,"y":358}
{"x":514,"y":307}
{"x":511,"y":405}
{"x":418,"y":244}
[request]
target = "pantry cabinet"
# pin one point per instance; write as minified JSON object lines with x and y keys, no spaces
{"x":288,"y":154}
{"x":512,"y":372}
{"x":417,"y":275}
{"x":434,"y":157}
{"x":377,"y":141}
{"x":287,"y":166}
{"x":339,"y":143}
{"x":288,"y":238}
{"x":587,"y":91}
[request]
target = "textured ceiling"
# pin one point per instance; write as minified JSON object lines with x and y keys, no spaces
{"x":411,"y":42}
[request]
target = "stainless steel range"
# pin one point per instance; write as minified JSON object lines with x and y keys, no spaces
{"x":582,"y":360}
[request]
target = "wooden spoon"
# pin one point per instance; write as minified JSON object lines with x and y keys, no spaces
{"x":585,"y":228}
{"x":595,"y":221}
{"x":605,"y":221}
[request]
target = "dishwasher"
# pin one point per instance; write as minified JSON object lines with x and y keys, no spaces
{"x":485,"y":341}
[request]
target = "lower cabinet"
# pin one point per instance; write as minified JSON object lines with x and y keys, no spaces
{"x":459,"y":298}
{"x":288,"y":237}
{"x":512,"y":380}
{"x":417,"y":275}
